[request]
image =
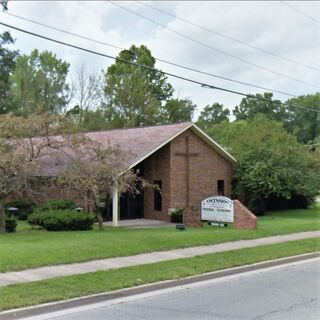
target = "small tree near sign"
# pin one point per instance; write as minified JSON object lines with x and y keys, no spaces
{"x":218,"y":209}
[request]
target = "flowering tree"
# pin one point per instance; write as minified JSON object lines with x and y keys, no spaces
{"x":50,"y":146}
{"x":94,"y":171}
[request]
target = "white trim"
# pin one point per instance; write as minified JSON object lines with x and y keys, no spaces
{"x":202,"y":135}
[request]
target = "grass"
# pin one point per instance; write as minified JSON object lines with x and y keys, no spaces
{"x":34,"y":248}
{"x":63,"y":288}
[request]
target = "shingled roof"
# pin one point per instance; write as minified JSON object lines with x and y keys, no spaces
{"x":137,"y":143}
{"x":141,"y":142}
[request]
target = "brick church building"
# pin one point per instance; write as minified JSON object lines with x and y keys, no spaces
{"x":181,"y":159}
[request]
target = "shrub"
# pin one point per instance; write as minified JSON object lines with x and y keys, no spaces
{"x":36,"y":218}
{"x":62,"y":220}
{"x":25,"y":207}
{"x":177,"y":216}
{"x":11,"y":224}
{"x":59,"y":204}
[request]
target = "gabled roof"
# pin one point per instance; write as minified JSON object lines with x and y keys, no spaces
{"x":141,"y":142}
{"x":137,"y":144}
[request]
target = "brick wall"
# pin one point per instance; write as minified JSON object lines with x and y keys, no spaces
{"x":205,"y":170}
{"x":157,"y":167}
{"x":170,"y":166}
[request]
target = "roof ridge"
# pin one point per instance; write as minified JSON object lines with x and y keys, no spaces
{"x":142,"y":127}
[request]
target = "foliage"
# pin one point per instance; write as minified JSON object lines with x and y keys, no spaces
{"x":270,"y":162}
{"x":177,"y":216}
{"x":62,"y":220}
{"x":101,"y":177}
{"x":261,"y":104}
{"x":134,"y":94}
{"x":212,"y":115}
{"x":7,"y":63}
{"x":39,"y":84}
{"x":59,"y":204}
{"x":25,"y":207}
{"x":11,"y":224}
{"x":89,"y":120}
{"x":305,"y":124}
{"x":25,"y":144}
{"x":177,"y":110}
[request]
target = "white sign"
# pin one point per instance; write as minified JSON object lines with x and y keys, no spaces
{"x":219,"y":209}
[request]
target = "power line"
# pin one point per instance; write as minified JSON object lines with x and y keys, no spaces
{"x":299,"y":11}
{"x":213,"y":48}
{"x":230,"y":38}
{"x":202,"y":84}
{"x":158,"y":59}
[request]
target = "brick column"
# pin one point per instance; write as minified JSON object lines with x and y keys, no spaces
{"x":191,"y":217}
{"x":243,"y":217}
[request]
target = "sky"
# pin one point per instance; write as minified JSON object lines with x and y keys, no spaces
{"x":273,"y":26}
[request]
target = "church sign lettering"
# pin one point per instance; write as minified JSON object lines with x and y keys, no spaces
{"x":218,"y":209}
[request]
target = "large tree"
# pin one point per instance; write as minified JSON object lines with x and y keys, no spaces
{"x":305,"y":124}
{"x":88,"y":98}
{"x":270,"y":161}
{"x":25,"y":144}
{"x":134,"y":94}
{"x":213,"y":114}
{"x":177,"y":110}
{"x":39,"y":84}
{"x":264,"y":103}
{"x":7,"y":63}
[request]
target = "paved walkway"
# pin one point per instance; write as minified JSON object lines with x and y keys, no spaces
{"x":142,"y":223}
{"x":144,"y":258}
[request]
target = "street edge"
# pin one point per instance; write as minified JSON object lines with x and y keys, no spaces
{"x":127,"y":292}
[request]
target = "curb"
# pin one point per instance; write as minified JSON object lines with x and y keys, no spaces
{"x":122,"y":293}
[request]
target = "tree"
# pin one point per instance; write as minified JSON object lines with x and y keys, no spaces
{"x":87,"y":94}
{"x":251,"y":106}
{"x":94,"y":171}
{"x":134,"y":94}
{"x":270,"y":162}
{"x":177,"y":110}
{"x":7,"y":63}
{"x":305,"y":124}
{"x":39,"y":84}
{"x":25,"y":144}
{"x":212,"y":115}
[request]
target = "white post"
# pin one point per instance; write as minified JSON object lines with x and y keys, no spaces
{"x":115,"y":206}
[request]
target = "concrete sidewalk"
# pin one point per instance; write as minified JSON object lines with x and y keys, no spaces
{"x":144,"y":258}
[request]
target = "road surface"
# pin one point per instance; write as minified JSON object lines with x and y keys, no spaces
{"x":289,"y":292}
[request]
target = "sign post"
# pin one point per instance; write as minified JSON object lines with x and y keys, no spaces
{"x":217,"y":210}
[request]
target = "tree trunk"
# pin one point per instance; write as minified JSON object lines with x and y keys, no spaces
{"x":2,"y":218}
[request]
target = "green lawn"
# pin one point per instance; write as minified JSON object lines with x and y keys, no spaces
{"x":34,"y":248}
{"x":33,"y":293}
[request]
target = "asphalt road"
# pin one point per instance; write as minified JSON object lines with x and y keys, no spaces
{"x":286,"y":292}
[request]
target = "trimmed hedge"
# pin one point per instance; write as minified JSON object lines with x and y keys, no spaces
{"x":59,"y":204}
{"x":11,"y":224}
{"x":62,"y":220}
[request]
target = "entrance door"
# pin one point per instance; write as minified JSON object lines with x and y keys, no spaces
{"x":131,"y":206}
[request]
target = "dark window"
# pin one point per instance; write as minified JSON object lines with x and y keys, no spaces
{"x":157,"y":197}
{"x":220,"y":187}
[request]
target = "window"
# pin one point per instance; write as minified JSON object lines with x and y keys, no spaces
{"x":220,"y":187}
{"x":157,"y":197}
